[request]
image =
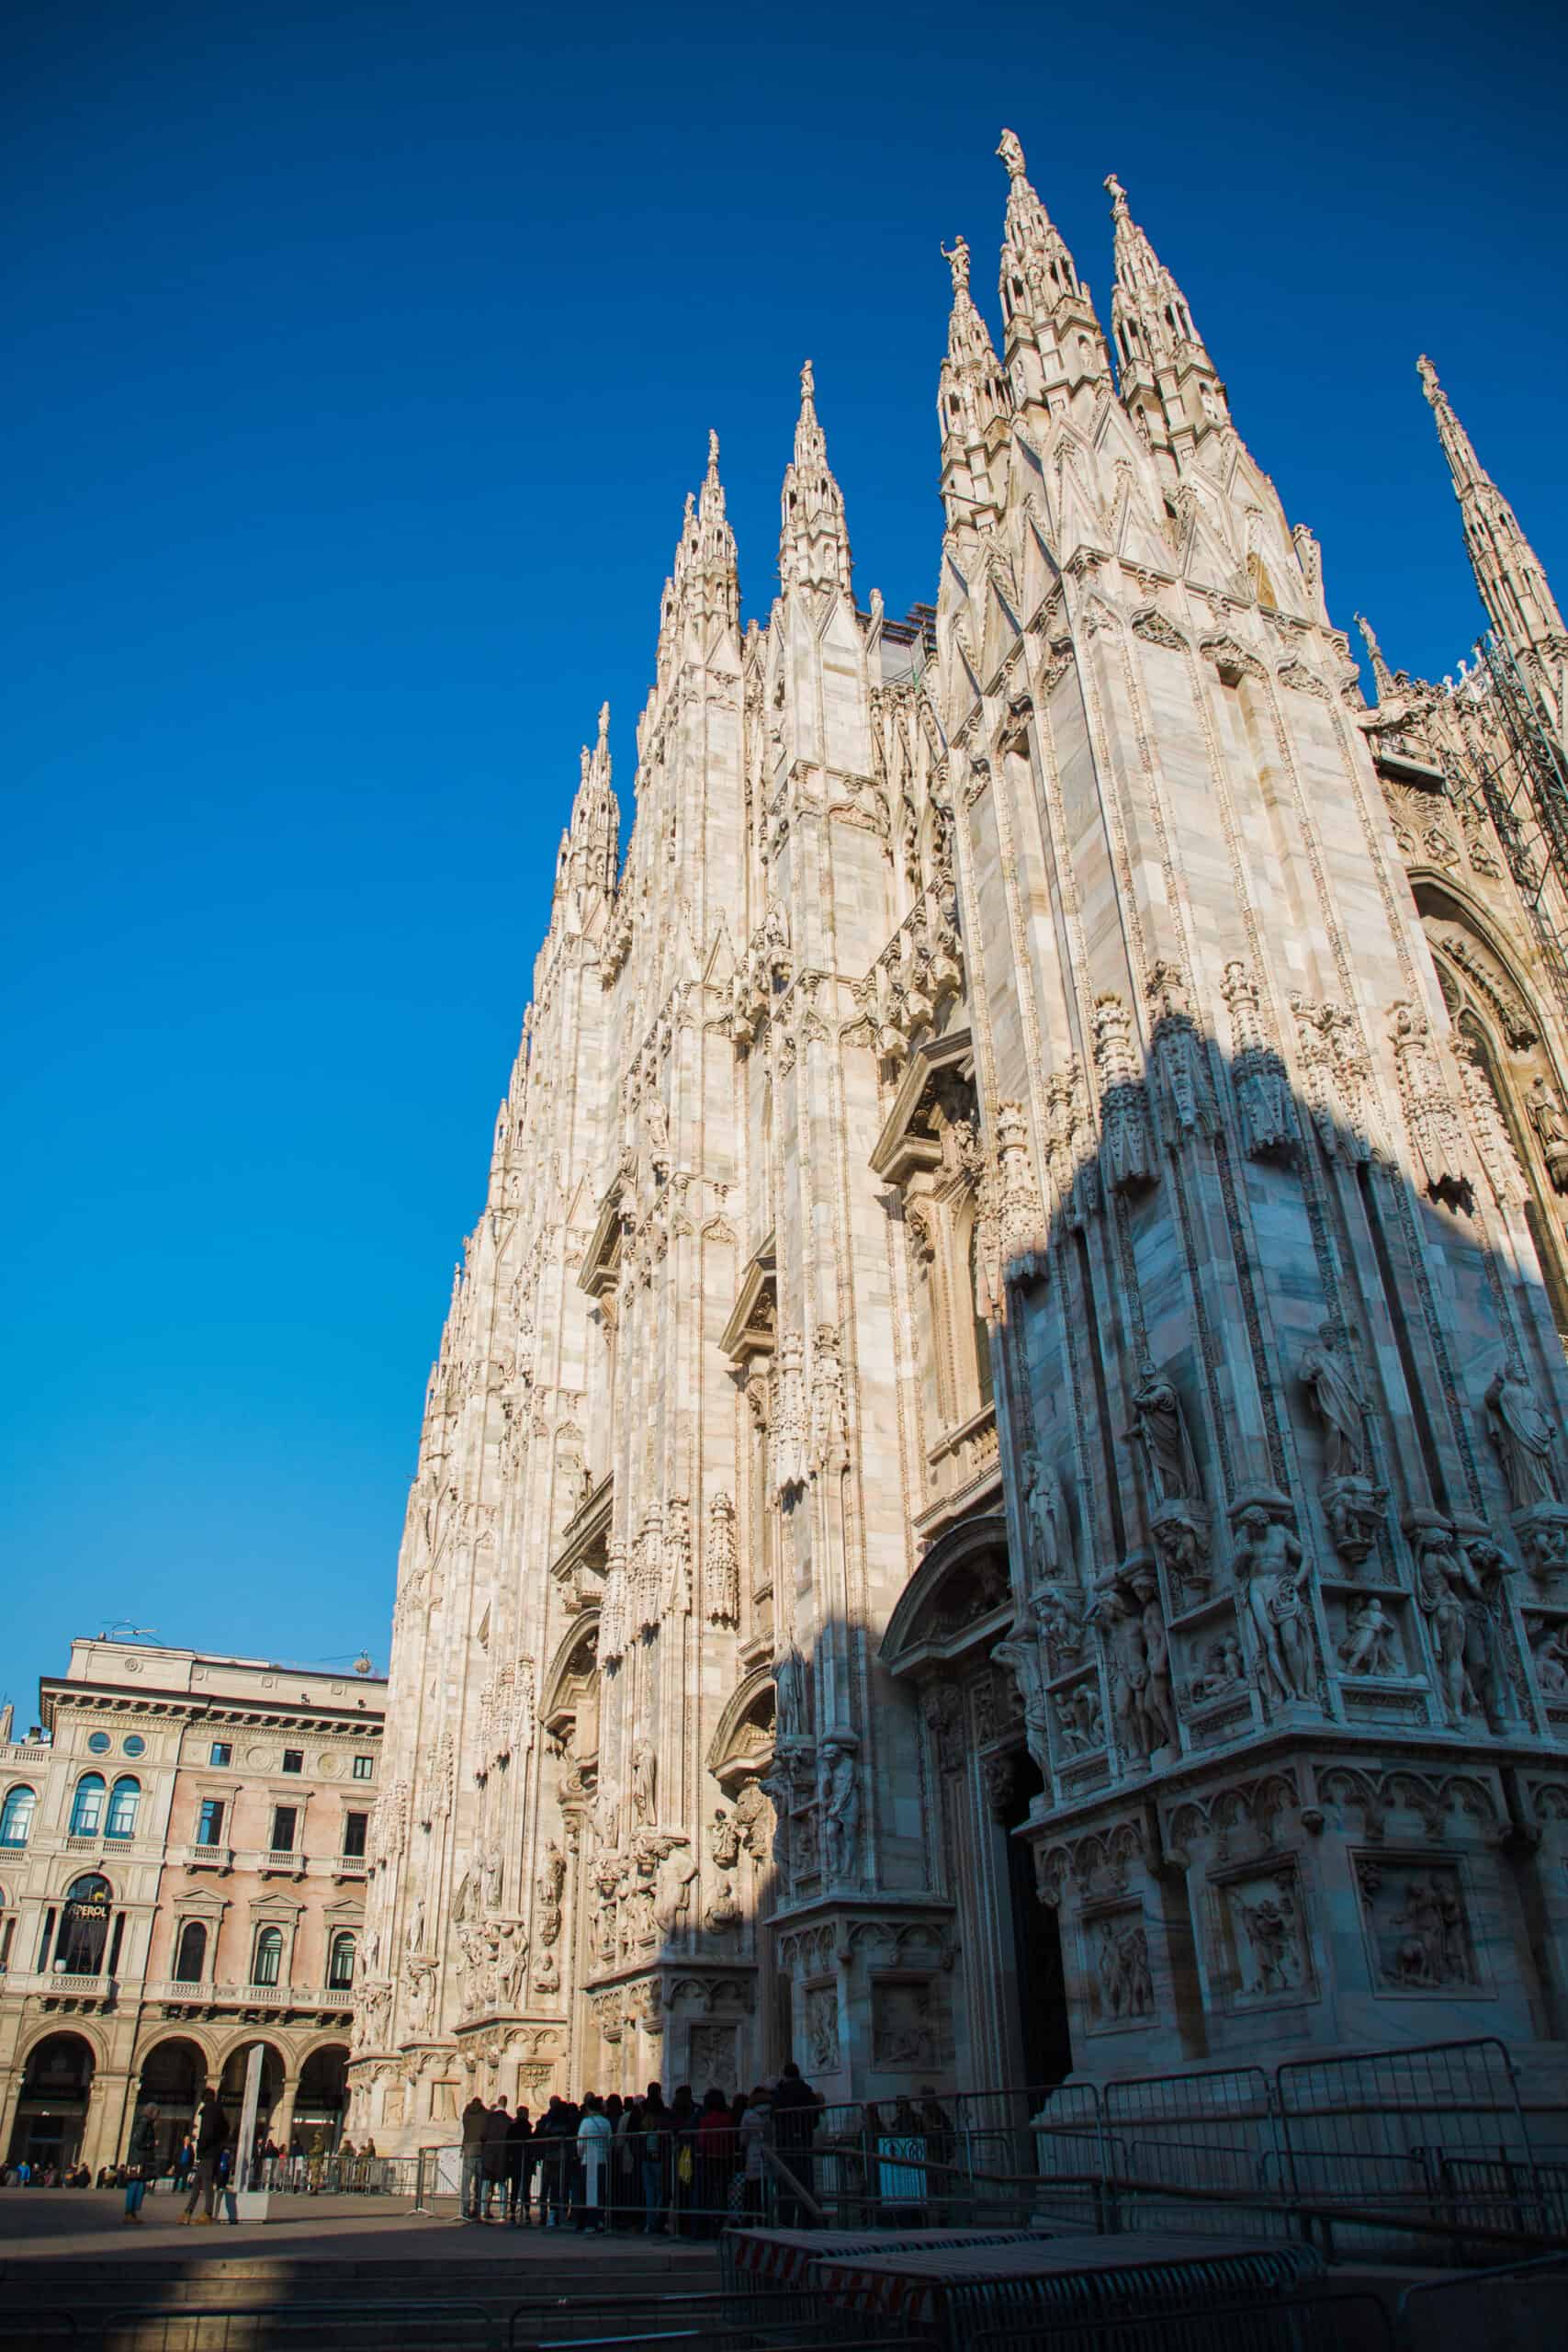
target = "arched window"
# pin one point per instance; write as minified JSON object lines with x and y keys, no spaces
{"x":16,"y":1815}
{"x":190,"y":1956}
{"x":88,"y":1809}
{"x":268,"y":1960}
{"x":340,"y":1964}
{"x":124,"y":1799}
{"x":84,"y":1926}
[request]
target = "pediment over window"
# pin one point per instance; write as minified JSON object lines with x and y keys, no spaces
{"x":601,"y":1267}
{"x":742,"y":1743}
{"x":938,"y":1078}
{"x":571,"y":1686}
{"x":959,"y":1599}
{"x":752,"y":1328}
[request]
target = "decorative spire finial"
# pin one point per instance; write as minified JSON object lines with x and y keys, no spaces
{"x":1381,"y":675}
{"x":603,"y":722}
{"x":713,"y":455}
{"x":1117,"y":196}
{"x":1428,"y":375}
{"x":807,"y":385}
{"x":956,"y":256}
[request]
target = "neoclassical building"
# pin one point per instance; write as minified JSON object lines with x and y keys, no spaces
{"x":182,"y":1874}
{"x":991,"y":1505}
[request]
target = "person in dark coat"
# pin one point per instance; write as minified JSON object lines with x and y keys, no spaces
{"x":212,"y":2137}
{"x":498,"y":2123}
{"x":476,"y":2115}
{"x":143,"y":2157}
{"x":795,"y":2124}
{"x":519,"y":2167}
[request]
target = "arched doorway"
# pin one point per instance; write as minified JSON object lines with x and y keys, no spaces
{"x":82,"y":1941}
{"x":174,"y":2074}
{"x":51,"y":2114}
{"x":322,"y":2097}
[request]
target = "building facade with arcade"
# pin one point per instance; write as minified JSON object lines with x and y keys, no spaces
{"x":182,"y":1865}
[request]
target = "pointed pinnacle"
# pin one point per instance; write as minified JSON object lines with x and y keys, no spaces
{"x":1428,"y":375}
{"x":713,"y":455}
{"x":807,"y":385}
{"x":1381,"y":675}
{"x":603,"y":722}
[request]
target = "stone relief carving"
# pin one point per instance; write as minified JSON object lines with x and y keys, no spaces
{"x":1371,"y":1644}
{"x":1221,"y":1673}
{"x":1080,"y":1722}
{"x":1125,"y":1980}
{"x":904,"y":2027}
{"x":1353,"y":1502}
{"x":1072,"y":1149}
{"x":1045,"y":1515}
{"x":1418,"y":1928}
{"x":1522,"y":1436}
{"x":613,"y":1613}
{"x":1265,"y":1929}
{"x":1164,"y":1445}
{"x":830,"y":1446}
{"x":712,"y":2060}
{"x":1130,"y":1625}
{"x":645,"y":1777}
{"x":1544,"y":1108}
{"x":1451,"y":1586}
{"x":821,"y":2018}
{"x":789,"y":1429}
{"x":1334,"y":1076}
{"x":754,"y":1819}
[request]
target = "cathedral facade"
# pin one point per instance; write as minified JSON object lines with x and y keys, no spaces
{"x":992,"y":1502}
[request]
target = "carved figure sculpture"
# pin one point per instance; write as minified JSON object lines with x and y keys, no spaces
{"x":1127,"y":1664}
{"x":1223,"y":1671}
{"x":722,"y":1564}
{"x":1159,"y":1712}
{"x":789,"y":1694}
{"x":1546,"y":1117}
{"x":1046,"y":1511}
{"x":1522,"y":1435}
{"x":645,"y":1775}
{"x":1161,"y":1431}
{"x":1330,"y":1377}
{"x":1269,"y":1564}
{"x":837,"y":1803}
{"x":724,"y":1839}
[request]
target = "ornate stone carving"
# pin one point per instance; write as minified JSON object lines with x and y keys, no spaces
{"x":677,"y":1595}
{"x":1451,"y":1582}
{"x":820,"y":2018}
{"x":1180,"y":1057}
{"x":1021,"y":1226}
{"x":1522,"y":1436}
{"x":1125,"y":1980}
{"x":1046,"y":1518}
{"x":1131,"y":1625}
{"x":1265,"y":1931}
{"x":1353,"y":1502}
{"x":830,"y":1444}
{"x":904,"y":2027}
{"x":613,"y":1609}
{"x":1436,"y":1131}
{"x":721,"y":1564}
{"x":1335,"y":1076}
{"x":1221,"y":1673}
{"x":1257,"y":1074}
{"x":1126,"y":1147}
{"x":645,"y":1780}
{"x":1164,"y":1448}
{"x":1071,"y":1148}
{"x":789,"y":1425}
{"x":1080,"y":1720}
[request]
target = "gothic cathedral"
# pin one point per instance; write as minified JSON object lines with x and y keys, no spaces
{"x":993,"y":1502}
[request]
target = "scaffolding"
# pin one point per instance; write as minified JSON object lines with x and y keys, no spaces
{"x":1522,"y":772}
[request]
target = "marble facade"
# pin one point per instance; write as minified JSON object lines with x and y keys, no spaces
{"x":992,"y":1500}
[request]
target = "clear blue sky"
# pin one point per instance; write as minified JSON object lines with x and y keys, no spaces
{"x":360,"y":360}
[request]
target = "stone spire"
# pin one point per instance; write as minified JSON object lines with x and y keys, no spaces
{"x":703,"y":585}
{"x":589,"y":854}
{"x":1383,"y":676}
{"x":814,"y":542}
{"x":1507,"y":571}
{"x":1053,"y":345}
{"x":1169,"y":383}
{"x":973,"y":403}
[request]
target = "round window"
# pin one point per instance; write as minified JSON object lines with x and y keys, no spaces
{"x":98,"y":1742}
{"x":135,"y":1745}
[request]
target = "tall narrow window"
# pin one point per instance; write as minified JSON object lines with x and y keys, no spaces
{"x":340,"y":1966}
{"x":190,"y":1958}
{"x":16,"y":1815}
{"x":209,"y":1822}
{"x":353,"y":1828}
{"x":268,"y":1959}
{"x":88,"y":1809}
{"x":284,"y":1817}
{"x":124,"y":1799}
{"x":984,"y":1378}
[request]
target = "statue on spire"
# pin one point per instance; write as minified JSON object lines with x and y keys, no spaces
{"x":1011,"y":153}
{"x":956,"y":256}
{"x":1118,"y":195}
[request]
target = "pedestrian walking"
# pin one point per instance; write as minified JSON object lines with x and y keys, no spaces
{"x":498,"y":2123}
{"x":593,"y":2138}
{"x":519,"y":2167}
{"x":211,"y":2138}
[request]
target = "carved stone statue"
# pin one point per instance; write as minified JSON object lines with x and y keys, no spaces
{"x":1546,"y":1117}
{"x":1223,"y":1671}
{"x":789,"y":1694}
{"x":1046,"y":1509}
{"x":838,"y":1805}
{"x":1330,"y":1377}
{"x":1127,"y":1664}
{"x":1522,"y":1435}
{"x":645,"y":1774}
{"x":1161,"y":1431}
{"x":1159,"y":1712}
{"x":1269,"y":1564}
{"x":724,"y":1839}
{"x":547,"y":1975}
{"x":551,"y":1877}
{"x":1061,"y":1627}
{"x":672,"y":1890}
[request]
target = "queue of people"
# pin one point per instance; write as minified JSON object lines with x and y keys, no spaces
{"x":633,"y":2165}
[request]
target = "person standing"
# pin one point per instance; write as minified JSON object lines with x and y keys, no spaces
{"x":211,"y":2138}
{"x":593,"y":2152}
{"x":142,"y":2154}
{"x":498,"y":2123}
{"x":795,"y":2124}
{"x":519,"y":2133}
{"x":652,"y":2144}
{"x":755,"y":2133}
{"x":475,"y":2116}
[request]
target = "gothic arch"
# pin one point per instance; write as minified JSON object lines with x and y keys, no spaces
{"x":930,"y":1622}
{"x":575,"y":1662}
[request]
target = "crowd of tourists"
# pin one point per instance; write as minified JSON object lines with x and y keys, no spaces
{"x":637,"y":2164}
